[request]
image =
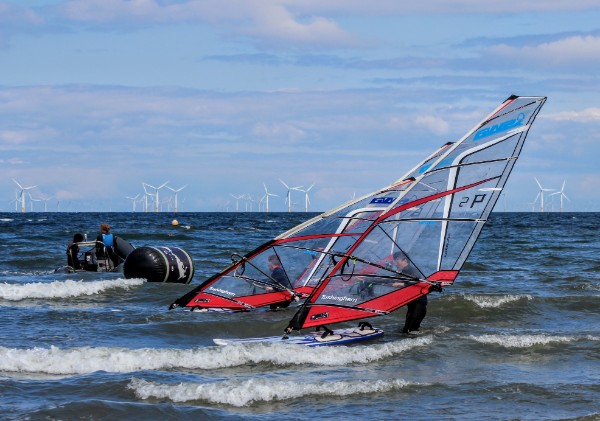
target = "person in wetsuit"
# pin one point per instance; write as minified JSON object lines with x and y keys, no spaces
{"x":73,"y":252}
{"x":105,"y":243}
{"x":279,"y":275}
{"x":416,"y":309}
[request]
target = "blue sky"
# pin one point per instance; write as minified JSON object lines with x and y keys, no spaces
{"x":98,"y":96}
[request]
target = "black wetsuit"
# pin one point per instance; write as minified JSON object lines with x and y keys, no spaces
{"x":416,"y":309}
{"x":72,"y":259}
{"x":415,"y":313}
{"x":280,"y":276}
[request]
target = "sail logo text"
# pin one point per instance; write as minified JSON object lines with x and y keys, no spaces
{"x":222,"y":291}
{"x":499,"y":128}
{"x":382,"y":200}
{"x":336,"y":298}
{"x":478,"y":198}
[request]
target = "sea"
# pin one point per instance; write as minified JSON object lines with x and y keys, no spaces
{"x":517,"y":337}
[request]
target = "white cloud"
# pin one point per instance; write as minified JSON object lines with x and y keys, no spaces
{"x":430,"y":123}
{"x":113,"y":10}
{"x":270,"y":21}
{"x":570,"y":51}
{"x":13,"y":137}
{"x":16,"y":15}
{"x":583,"y":116}
{"x":435,"y":124}
{"x":277,"y":23}
{"x":400,"y":8}
{"x":12,"y":161}
{"x":280,"y":131}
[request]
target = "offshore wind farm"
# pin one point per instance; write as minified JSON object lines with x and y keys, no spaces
{"x":27,"y":199}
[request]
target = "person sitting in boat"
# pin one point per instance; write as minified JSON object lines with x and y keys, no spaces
{"x":73,"y":252}
{"x":105,"y":244}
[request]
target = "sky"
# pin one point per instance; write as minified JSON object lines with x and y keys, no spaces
{"x":100,"y":96}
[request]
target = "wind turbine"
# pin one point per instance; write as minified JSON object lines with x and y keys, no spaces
{"x":237,"y":201}
{"x":133,"y":200}
{"x":249,"y":202}
{"x":289,"y":194}
{"x":46,"y":203}
{"x":176,"y":191}
{"x":22,"y":193}
{"x":267,"y":197}
{"x":31,"y":200}
{"x":534,"y":202}
{"x":306,"y":199}
{"x":146,"y":194}
{"x":542,"y":190}
{"x":156,"y":202}
{"x":16,"y":201}
{"x":562,"y":194}
{"x":253,"y":201}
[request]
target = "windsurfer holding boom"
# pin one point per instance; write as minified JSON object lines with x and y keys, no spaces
{"x":416,"y":309}
{"x":279,"y":275}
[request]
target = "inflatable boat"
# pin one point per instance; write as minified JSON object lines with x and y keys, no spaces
{"x":90,"y":261}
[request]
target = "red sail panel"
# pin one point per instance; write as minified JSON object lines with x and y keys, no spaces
{"x":320,"y":314}
{"x":443,"y":276}
{"x":324,"y":314}
{"x":397,"y":299}
{"x":267,"y":299}
{"x":204,"y":300}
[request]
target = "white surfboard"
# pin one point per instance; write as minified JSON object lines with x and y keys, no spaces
{"x":337,"y":337}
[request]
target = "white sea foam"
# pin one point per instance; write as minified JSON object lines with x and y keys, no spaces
{"x":244,"y":392}
{"x":84,"y":360}
{"x":62,"y":289}
{"x":494,"y":301}
{"x":522,"y":341}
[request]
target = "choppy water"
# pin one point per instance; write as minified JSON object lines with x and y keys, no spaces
{"x":517,"y":336}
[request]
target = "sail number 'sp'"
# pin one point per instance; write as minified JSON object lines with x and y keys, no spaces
{"x":471,"y":201}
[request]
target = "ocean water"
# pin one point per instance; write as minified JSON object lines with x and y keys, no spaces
{"x":516,"y":337}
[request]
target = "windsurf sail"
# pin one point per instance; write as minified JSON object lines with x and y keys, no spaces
{"x":428,"y":220}
{"x":305,"y":255}
{"x":290,"y":266}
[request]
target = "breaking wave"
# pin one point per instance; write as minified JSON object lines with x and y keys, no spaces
{"x":526,"y":341}
{"x":487,"y":301}
{"x":62,"y":289}
{"x":84,"y":360}
{"x":244,"y":392}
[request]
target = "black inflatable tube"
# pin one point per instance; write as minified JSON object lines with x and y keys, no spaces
{"x":159,"y":264}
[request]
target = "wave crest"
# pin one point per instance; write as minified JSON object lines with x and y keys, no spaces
{"x":62,"y":289}
{"x":487,"y":301}
{"x":242,"y":393}
{"x":84,"y":360}
{"x":522,"y":341}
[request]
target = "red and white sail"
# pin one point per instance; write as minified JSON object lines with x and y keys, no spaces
{"x":433,"y":215}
